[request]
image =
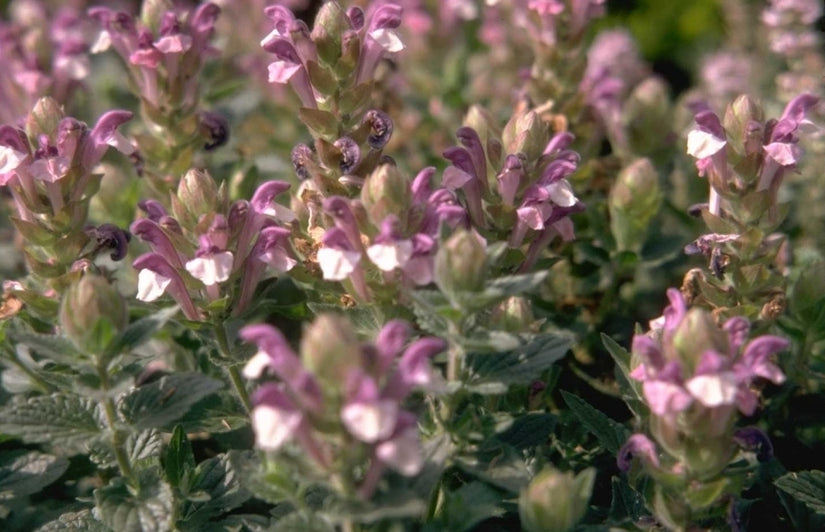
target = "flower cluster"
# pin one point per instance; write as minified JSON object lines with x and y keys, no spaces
{"x":697,"y":378}
{"x":341,"y":400}
{"x":522,"y":195}
{"x":45,"y":54}
{"x":331,"y":70}
{"x":165,"y":52}
{"x":49,"y":168}
{"x":199,"y":253}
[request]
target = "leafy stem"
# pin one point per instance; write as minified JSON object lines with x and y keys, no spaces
{"x":111,"y":419}
{"x":232,"y":370}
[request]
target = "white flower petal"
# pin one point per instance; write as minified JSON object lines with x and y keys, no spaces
{"x":402,"y":453}
{"x":783,"y":153}
{"x":278,"y":258}
{"x":279,"y":212}
{"x":715,"y":389}
{"x":701,"y":144}
{"x":561,"y":193}
{"x":256,"y":365}
{"x":370,"y":422}
{"x":211,"y":269}
{"x":337,"y":264}
{"x":10,"y":159}
{"x":151,"y":285}
{"x":273,"y":426}
{"x":281,"y":71}
{"x":103,"y":42}
{"x":388,"y":39}
{"x":390,"y":256}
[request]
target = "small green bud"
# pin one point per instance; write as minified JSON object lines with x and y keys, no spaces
{"x":43,"y":119}
{"x":386,"y":191}
{"x":742,"y":123}
{"x":328,"y":30}
{"x":461,"y":264}
{"x":633,"y":202}
{"x":697,"y":333}
{"x":514,"y":315}
{"x":330,"y":349}
{"x":92,"y":313}
{"x":555,"y":501}
{"x":525,"y":133}
{"x":197,"y":195}
{"x":648,"y":116}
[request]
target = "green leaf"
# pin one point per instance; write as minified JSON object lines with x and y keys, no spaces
{"x":140,"y":331}
{"x":218,"y":413}
{"x":126,"y":509}
{"x":57,"y":348}
{"x":305,"y":522}
{"x":528,"y":431}
{"x":24,"y":473}
{"x":82,"y":521}
{"x":178,"y":459}
{"x":611,"y":435}
{"x":323,"y":123}
{"x":807,"y":487}
{"x":470,"y":504}
{"x":625,"y":501}
{"x":426,"y":306}
{"x":627,"y":385}
{"x":494,"y":373}
{"x":161,"y":403}
{"x":67,"y":421}
{"x":214,"y":489}
{"x":142,"y":448}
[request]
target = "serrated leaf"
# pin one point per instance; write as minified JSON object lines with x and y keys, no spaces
{"x":219,"y":481}
{"x":627,"y":385}
{"x":471,"y":504}
{"x":493,"y":373}
{"x":807,"y":487}
{"x":625,"y":501}
{"x":57,"y":348}
{"x":425,"y":307}
{"x":178,"y":458}
{"x":146,"y":509}
{"x":68,"y":421}
{"x":611,"y":435}
{"x":24,"y":473}
{"x":82,"y":521}
{"x":142,"y":448}
{"x":161,"y":403}
{"x":140,"y":331}
{"x":220,"y":412}
{"x":528,"y":431}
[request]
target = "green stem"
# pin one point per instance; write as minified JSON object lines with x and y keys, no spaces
{"x":232,"y":371}
{"x":117,"y":435}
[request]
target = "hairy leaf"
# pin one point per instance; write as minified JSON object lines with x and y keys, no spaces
{"x":125,"y":509}
{"x":161,"y":403}
{"x":611,"y":435}
{"x":807,"y":487}
{"x":493,"y":373}
{"x":24,"y":473}
{"x":67,"y":421}
{"x":214,"y":489}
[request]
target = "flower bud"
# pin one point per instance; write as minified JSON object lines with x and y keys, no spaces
{"x":386,"y":191}
{"x":330,"y":350}
{"x":647,"y":114}
{"x":43,"y":119}
{"x":330,"y":24}
{"x":197,"y":195}
{"x":740,"y":118}
{"x":92,"y":313}
{"x":696,"y":334}
{"x":460,"y":264}
{"x":555,"y":501}
{"x":525,"y":133}
{"x":514,"y":315}
{"x":633,"y":202}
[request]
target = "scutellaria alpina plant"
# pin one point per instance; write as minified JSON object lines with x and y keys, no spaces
{"x":405,"y":292}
